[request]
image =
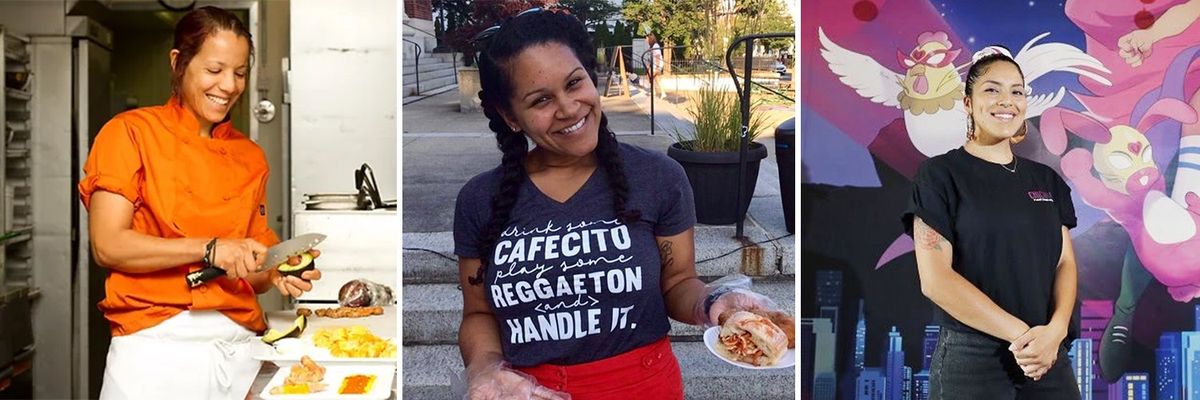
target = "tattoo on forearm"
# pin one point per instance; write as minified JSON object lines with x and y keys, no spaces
{"x":666,"y":254}
{"x":929,"y":238}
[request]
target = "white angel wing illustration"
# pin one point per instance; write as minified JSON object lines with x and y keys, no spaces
{"x":1039,"y":59}
{"x":1036,"y":105}
{"x":864,"y":74}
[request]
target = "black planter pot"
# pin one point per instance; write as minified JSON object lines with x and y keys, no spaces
{"x":713,"y":176}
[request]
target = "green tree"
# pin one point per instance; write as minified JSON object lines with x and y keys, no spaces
{"x":764,"y":16}
{"x":602,"y":36}
{"x":675,"y":22}
{"x":621,"y":35}
{"x":591,"y":12}
{"x":451,"y":14}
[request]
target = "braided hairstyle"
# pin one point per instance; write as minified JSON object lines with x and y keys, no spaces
{"x":515,"y":36}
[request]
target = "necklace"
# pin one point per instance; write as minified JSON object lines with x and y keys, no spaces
{"x":1014,"y":166}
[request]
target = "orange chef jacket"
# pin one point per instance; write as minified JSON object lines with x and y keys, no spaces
{"x":181,"y":185}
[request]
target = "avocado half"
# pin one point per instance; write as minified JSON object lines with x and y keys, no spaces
{"x":306,"y":263}
{"x":273,"y":336}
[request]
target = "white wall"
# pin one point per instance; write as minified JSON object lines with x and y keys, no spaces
{"x":343,"y":95}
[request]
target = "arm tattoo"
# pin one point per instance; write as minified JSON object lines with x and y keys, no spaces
{"x":928,"y":238}
{"x":665,"y":253}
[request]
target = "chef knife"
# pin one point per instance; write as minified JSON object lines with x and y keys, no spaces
{"x":276,"y":255}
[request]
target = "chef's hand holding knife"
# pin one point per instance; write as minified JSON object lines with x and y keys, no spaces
{"x":238,"y":257}
{"x":241,"y":258}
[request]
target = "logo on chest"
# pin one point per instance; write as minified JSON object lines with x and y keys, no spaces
{"x":1038,"y":195}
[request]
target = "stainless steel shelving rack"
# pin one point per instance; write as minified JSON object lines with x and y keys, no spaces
{"x":17,"y":290}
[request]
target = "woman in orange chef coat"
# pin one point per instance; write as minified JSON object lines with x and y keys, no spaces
{"x":169,"y":190}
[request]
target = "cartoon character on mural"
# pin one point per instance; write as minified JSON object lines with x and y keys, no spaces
{"x":1152,"y":59}
{"x":930,"y":91}
{"x":1130,"y":188}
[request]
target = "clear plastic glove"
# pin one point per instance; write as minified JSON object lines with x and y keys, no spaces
{"x":499,"y":382}
{"x":728,"y":295}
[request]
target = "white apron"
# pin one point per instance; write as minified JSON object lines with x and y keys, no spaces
{"x":193,"y":355}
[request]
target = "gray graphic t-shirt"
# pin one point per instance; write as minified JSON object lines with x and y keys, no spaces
{"x":568,"y":283}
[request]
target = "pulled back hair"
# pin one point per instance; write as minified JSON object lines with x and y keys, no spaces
{"x":495,"y":77}
{"x":196,"y":27}
{"x":979,"y":67}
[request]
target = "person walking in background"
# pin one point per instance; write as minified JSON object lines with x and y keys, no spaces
{"x":656,"y":64}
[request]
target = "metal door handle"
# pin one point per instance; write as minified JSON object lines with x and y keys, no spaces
{"x":264,"y":111}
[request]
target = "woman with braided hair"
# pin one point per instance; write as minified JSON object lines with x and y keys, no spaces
{"x":572,"y":254}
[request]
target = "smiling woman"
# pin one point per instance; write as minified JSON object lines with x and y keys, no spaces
{"x":173,"y":189}
{"x":994,"y":253}
{"x":584,"y":263}
{"x":210,"y":84}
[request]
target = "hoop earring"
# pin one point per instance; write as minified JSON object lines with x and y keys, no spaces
{"x":1020,"y":135}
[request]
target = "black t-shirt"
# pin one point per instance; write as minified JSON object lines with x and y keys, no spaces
{"x":1005,"y":228}
{"x":569,"y":283}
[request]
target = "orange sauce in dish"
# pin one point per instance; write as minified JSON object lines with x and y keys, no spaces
{"x":357,"y":384}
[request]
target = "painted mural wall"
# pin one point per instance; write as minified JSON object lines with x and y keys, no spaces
{"x":1112,"y":107}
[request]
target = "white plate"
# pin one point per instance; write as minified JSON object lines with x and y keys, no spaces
{"x":286,"y":352}
{"x":334,"y":374}
{"x":712,"y":339}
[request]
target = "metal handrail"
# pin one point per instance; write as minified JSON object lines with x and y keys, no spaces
{"x":760,"y":86}
{"x":416,"y":62}
{"x":745,"y":103}
{"x":649,"y":74}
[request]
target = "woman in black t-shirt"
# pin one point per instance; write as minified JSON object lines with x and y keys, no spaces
{"x":572,"y":255}
{"x":994,"y":252}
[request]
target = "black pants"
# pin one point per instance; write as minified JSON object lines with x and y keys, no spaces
{"x":974,"y":366}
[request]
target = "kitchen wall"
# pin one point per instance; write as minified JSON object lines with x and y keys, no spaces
{"x":343,"y":95}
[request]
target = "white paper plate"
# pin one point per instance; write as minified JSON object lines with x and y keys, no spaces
{"x":333,"y":380}
{"x":288,"y":351}
{"x":712,"y":340}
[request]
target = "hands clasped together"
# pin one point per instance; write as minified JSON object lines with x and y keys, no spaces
{"x":1037,"y":349}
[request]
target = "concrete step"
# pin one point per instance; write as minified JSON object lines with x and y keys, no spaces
{"x":428,"y":57}
{"x":427,"y":371}
{"x":427,"y":66}
{"x":429,"y":257}
{"x":442,"y":72}
{"x":408,"y":61}
{"x":432,"y":312}
{"x":427,"y":94}
{"x":430,"y":85}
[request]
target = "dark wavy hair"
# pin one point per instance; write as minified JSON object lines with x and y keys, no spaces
{"x":979,"y":67}
{"x":513,"y":37}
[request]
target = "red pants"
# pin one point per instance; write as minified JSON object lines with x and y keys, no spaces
{"x":647,"y":372}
